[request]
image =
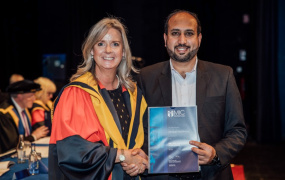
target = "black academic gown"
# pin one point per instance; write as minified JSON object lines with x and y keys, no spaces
{"x":8,"y":109}
{"x":8,"y":134}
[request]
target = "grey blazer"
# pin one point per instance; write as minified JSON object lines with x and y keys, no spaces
{"x":220,"y":111}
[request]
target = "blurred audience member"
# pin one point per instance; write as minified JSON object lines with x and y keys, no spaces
{"x":15,"y":77}
{"x":3,"y":96}
{"x":8,"y":134}
{"x":41,"y":110}
{"x":22,"y":96}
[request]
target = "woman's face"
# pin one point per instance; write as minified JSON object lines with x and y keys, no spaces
{"x":108,"y":51}
{"x":47,"y":96}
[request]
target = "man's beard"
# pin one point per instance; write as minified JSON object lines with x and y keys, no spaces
{"x":185,"y":58}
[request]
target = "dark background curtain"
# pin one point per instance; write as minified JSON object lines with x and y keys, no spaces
{"x":230,"y":29}
{"x":268,"y":124}
{"x":281,"y":61}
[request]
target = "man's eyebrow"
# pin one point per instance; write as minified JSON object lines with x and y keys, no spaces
{"x":189,"y":30}
{"x":175,"y":29}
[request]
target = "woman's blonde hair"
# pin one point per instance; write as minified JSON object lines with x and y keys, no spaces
{"x":96,"y":33}
{"x":47,"y":87}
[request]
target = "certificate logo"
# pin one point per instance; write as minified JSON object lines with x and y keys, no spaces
{"x":176,"y":113}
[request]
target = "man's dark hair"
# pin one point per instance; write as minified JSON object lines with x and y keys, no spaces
{"x":199,"y":29}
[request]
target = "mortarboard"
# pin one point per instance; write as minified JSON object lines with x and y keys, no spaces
{"x":24,"y":86}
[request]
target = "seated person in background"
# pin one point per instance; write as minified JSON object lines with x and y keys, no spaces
{"x":22,"y":96}
{"x":15,"y":77}
{"x":41,"y":110}
{"x":8,"y":134}
{"x":3,"y":96}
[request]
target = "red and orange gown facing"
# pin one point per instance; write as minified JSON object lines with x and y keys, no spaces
{"x":41,"y":115}
{"x":86,"y":131}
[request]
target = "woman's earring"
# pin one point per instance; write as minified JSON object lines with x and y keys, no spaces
{"x":92,"y":57}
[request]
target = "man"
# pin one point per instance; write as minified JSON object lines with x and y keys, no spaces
{"x":15,"y":77}
{"x":186,"y":80}
{"x":22,"y":96}
{"x":8,"y":134}
{"x":3,"y":96}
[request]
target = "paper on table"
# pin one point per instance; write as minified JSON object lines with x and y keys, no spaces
{"x":44,"y":140}
{"x":2,"y":171}
{"x":4,"y":166}
{"x":42,"y":146}
{"x":8,"y":152}
{"x":43,"y":150}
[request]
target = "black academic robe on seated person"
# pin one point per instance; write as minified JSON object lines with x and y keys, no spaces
{"x":8,"y":134}
{"x":9,"y":110}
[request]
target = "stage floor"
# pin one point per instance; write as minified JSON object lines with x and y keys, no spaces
{"x":262,"y":161}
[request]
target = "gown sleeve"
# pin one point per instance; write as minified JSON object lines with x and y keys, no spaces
{"x":38,"y":118}
{"x":78,"y":148}
{"x":8,"y":134}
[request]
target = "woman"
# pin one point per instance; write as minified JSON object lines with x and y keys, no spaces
{"x":41,"y":110}
{"x":97,"y":120}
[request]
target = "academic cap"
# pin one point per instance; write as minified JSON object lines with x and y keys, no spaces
{"x":24,"y":86}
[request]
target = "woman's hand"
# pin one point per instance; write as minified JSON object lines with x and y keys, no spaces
{"x":136,"y":162}
{"x":40,"y":132}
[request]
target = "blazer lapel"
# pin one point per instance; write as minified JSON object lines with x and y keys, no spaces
{"x":201,"y":85}
{"x":165,"y":85}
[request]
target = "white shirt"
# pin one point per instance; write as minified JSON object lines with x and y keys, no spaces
{"x":19,"y":109}
{"x":184,"y":90}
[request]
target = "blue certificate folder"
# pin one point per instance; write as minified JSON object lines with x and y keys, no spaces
{"x":170,"y":130}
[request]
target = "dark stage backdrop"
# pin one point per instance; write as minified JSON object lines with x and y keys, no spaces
{"x":31,"y":29}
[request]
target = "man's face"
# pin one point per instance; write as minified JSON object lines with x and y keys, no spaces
{"x":27,"y":99}
{"x":182,"y":41}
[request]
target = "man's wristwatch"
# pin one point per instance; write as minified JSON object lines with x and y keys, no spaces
{"x":122,"y":156}
{"x":216,"y":161}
